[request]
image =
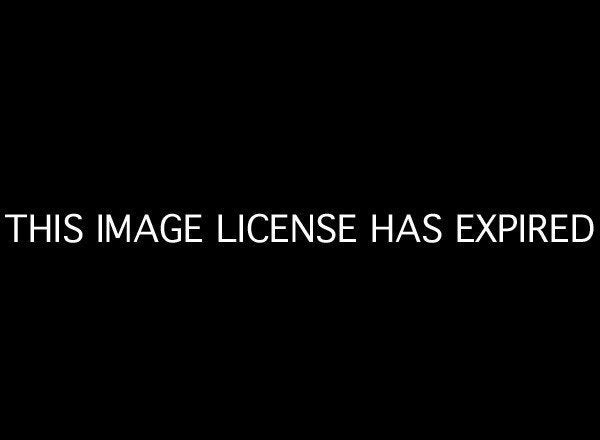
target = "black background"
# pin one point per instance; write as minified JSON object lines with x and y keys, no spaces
{"x":386,"y":112}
